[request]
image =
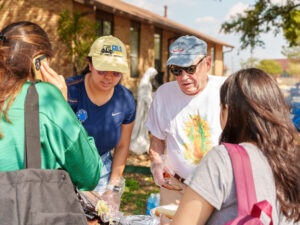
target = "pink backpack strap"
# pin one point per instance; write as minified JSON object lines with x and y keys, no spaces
{"x":263,"y":206}
{"x":243,"y":176}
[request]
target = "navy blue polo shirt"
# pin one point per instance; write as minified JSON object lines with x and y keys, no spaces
{"x":102,"y":122}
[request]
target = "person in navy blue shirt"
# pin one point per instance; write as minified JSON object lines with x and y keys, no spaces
{"x":105,"y":107}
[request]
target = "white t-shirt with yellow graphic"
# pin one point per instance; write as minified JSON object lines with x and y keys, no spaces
{"x":190,"y":125}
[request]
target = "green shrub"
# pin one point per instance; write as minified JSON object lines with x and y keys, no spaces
{"x":270,"y":66}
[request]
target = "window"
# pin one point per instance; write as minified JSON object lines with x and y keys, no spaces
{"x":105,"y":21}
{"x":134,"y":48}
{"x":157,"y":49}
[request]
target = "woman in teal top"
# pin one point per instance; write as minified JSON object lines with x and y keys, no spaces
{"x":64,"y":141}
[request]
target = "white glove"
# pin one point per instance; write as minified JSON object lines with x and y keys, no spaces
{"x":113,"y":193}
{"x":112,"y":199}
{"x":158,"y":169}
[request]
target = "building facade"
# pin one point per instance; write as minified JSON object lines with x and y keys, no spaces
{"x":146,"y":35}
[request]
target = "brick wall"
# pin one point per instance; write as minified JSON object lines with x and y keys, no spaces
{"x":88,"y":10}
{"x":122,"y":31}
{"x":146,"y":48}
{"x":218,"y":68}
{"x":46,"y":14}
{"x":167,"y":37}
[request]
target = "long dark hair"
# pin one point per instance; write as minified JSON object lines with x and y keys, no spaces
{"x":86,"y":68}
{"x":19,"y":43}
{"x":257,"y":112}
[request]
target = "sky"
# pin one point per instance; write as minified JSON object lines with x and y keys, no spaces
{"x":206,"y":16}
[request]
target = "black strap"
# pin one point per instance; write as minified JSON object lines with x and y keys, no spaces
{"x":32,"y":149}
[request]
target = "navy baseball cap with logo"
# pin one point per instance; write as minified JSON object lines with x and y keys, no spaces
{"x":185,"y":50}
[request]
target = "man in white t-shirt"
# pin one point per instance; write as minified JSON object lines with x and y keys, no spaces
{"x":184,"y":115}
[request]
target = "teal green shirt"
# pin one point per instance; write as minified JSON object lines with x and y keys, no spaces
{"x":64,"y":141}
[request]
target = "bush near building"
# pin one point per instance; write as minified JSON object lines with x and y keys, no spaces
{"x":294,"y":69}
{"x":270,"y":66}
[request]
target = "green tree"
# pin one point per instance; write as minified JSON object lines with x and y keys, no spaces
{"x":270,"y":66}
{"x":77,"y":33}
{"x":261,"y":18}
{"x":293,"y":53}
{"x":294,"y":69}
{"x":250,"y":62}
{"x":293,"y":31}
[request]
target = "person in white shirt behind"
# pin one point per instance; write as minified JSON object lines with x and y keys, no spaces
{"x":254,"y":115}
{"x":184,"y":115}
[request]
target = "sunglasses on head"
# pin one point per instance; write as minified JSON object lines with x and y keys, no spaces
{"x":116,"y":74}
{"x":177,"y":71}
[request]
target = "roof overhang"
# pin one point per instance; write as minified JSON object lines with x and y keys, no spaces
{"x":142,"y":15}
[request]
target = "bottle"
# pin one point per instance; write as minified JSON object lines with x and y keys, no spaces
{"x":150,"y":203}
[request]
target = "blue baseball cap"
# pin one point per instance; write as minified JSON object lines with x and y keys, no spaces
{"x":185,"y":50}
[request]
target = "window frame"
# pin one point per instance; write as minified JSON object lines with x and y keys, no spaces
{"x":135,"y":26}
{"x":101,"y":17}
{"x":158,"y":62}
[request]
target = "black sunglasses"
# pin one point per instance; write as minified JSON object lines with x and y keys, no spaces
{"x":177,"y":71}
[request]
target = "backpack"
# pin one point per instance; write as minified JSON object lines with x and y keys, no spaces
{"x":34,"y":196}
{"x":250,"y":212}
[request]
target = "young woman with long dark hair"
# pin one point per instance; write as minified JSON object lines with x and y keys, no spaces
{"x":253,"y":114}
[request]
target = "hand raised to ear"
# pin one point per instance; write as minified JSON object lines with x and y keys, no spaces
{"x":50,"y":76}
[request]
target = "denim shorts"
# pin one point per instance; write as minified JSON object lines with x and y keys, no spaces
{"x":105,"y":173}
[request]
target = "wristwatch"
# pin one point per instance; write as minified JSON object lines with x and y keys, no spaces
{"x":113,"y":188}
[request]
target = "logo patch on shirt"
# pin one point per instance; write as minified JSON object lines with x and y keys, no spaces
{"x":198,"y":133}
{"x":82,"y":115}
{"x":115,"y":114}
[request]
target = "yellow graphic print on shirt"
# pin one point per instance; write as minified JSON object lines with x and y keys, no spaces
{"x":198,"y":134}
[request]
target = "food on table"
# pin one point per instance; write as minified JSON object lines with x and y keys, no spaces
{"x":167,"y":210}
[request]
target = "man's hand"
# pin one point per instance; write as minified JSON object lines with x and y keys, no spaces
{"x":158,"y":169}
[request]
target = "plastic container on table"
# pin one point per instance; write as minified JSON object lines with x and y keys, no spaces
{"x":139,"y":220}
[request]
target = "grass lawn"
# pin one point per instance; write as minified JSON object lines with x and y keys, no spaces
{"x":137,"y":190}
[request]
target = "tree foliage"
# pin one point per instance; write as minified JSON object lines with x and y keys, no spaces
{"x":77,"y":33}
{"x":250,"y":62}
{"x":262,"y":17}
{"x":294,"y":69}
{"x":292,"y":53}
{"x":270,"y":66}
